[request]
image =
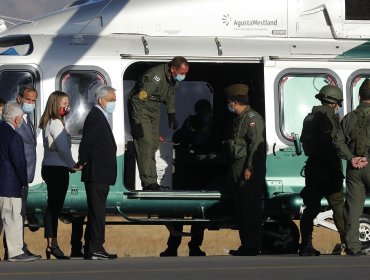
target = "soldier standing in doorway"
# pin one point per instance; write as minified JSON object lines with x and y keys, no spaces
{"x":158,"y":85}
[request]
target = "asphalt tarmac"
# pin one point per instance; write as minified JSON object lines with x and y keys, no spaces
{"x":276,"y":267}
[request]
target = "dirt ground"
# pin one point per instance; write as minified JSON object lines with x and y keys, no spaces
{"x":139,"y":241}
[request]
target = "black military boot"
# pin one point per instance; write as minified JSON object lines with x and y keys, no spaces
{"x":306,"y":248}
{"x":169,"y":252}
{"x":196,"y":252}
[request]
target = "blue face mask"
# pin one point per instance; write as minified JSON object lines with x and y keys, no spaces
{"x":28,"y":108}
{"x":339,"y":111}
{"x":109,"y":108}
{"x":180,"y":78}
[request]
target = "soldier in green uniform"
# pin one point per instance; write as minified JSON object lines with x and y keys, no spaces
{"x":353,"y":143}
{"x":323,"y":170}
{"x":158,"y":85}
{"x":247,"y":150}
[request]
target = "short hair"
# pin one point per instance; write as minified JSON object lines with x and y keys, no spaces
{"x":12,"y":110}
{"x":364,"y":91}
{"x":177,"y":61}
{"x":102,"y":92}
{"x":2,"y":102}
{"x":26,"y":88}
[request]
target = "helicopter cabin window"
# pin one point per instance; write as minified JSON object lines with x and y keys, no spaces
{"x":297,"y":97}
{"x":355,"y":87}
{"x":80,"y":87}
{"x":16,"y":45}
{"x":357,"y":10}
{"x":12,"y":80}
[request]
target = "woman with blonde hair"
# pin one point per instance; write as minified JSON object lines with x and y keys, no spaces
{"x":56,"y":165}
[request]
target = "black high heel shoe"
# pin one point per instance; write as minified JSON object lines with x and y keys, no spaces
{"x":56,"y":252}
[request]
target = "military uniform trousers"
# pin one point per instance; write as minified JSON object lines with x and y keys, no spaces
{"x":248,"y":204}
{"x":197,"y":235}
{"x":358,"y":183}
{"x":322,"y":182}
{"x":146,"y":146}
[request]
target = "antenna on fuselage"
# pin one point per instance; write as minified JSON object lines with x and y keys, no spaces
{"x":10,"y":21}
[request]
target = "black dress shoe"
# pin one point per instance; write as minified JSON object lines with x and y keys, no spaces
{"x":155,"y":188}
{"x":77,"y":253}
{"x":245,"y":252}
{"x":308,"y":251}
{"x":100,"y":256}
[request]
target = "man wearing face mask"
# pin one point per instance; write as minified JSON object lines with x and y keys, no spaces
{"x":26,"y":98}
{"x":323,"y":170}
{"x":157,"y":85}
{"x":97,"y":153}
{"x":247,"y":152}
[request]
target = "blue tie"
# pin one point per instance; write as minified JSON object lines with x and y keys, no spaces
{"x":31,"y":126}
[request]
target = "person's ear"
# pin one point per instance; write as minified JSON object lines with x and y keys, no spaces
{"x":18,"y":120}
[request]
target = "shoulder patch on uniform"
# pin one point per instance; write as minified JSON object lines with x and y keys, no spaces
{"x":143,"y":95}
{"x":156,"y":78}
{"x":252,"y":124}
{"x":251,"y":114}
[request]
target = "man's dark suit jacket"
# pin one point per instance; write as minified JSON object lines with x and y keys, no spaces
{"x":98,"y":149}
{"x":13,"y":164}
{"x":29,"y":140}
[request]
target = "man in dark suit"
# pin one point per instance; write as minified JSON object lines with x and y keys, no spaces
{"x":97,"y":153}
{"x":27,"y":96}
{"x":13,"y":177}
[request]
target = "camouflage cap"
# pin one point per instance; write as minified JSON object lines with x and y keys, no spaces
{"x":237,"y":90}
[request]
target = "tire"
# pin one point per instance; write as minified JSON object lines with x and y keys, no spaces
{"x":280,"y":237}
{"x":364,"y":230}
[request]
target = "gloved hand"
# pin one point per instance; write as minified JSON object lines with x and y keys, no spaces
{"x":137,"y":130}
{"x":172,"y":122}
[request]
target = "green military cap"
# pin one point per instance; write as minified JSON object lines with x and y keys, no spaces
{"x":330,"y":94}
{"x":237,"y":90}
